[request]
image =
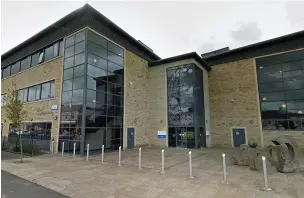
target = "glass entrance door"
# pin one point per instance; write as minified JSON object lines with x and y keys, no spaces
{"x":181,"y":135}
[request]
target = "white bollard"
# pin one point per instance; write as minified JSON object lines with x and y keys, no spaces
{"x":102,"y":153}
{"x":62,"y":149}
{"x":266,"y":187}
{"x":190,"y":165}
{"x":52,"y":147}
{"x":224,"y":168}
{"x":88,"y":148}
{"x":139,"y":158}
{"x":163,"y":162}
{"x":74,"y":149}
{"x":119,"y":156}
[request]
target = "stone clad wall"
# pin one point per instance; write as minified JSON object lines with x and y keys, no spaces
{"x":38,"y":111}
{"x":136,"y":103}
{"x":234,"y":101}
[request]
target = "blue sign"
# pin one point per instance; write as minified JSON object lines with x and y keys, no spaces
{"x":162,"y":134}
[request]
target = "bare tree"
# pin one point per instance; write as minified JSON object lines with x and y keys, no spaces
{"x":14,"y":112}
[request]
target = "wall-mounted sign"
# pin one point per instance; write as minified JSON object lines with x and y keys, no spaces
{"x":54,"y":107}
{"x":161,"y":134}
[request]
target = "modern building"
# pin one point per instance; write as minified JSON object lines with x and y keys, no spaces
{"x":85,"y":80}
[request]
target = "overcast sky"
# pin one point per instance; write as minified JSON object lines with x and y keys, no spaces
{"x":169,"y":28}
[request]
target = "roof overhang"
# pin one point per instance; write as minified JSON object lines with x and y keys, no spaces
{"x":191,"y":55}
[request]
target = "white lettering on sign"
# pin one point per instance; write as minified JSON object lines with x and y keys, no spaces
{"x":54,"y":107}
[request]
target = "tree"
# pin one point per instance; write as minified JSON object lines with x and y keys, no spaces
{"x":14,"y":112}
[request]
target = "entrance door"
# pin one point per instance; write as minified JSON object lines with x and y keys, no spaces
{"x":238,"y":136}
{"x":131,"y":134}
{"x":181,"y":137}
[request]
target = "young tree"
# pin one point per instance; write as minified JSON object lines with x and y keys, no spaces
{"x":14,"y":112}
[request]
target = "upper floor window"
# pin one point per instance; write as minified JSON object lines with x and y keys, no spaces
{"x":26,"y":63}
{"x":281,"y":91}
{"x":6,"y":72}
{"x":38,"y":92}
{"x":15,"y":68}
{"x":37,"y":58}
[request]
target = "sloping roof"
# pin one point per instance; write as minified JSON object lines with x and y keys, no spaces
{"x":87,"y":16}
{"x":275,"y":45}
{"x":193,"y":55}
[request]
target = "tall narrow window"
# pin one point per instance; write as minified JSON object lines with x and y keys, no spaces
{"x":15,"y":68}
{"x":41,"y":57}
{"x":49,"y":53}
{"x":26,"y":63}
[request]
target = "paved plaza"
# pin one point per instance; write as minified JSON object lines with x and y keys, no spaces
{"x":76,"y":177}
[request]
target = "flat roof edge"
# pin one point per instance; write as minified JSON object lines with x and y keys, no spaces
{"x":193,"y":55}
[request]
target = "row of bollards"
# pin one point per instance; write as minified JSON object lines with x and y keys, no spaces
{"x":266,"y":186}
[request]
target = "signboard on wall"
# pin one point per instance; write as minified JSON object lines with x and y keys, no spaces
{"x":54,"y":107}
{"x":161,"y":134}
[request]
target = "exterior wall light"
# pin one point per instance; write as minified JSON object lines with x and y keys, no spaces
{"x":131,"y":83}
{"x":284,"y":105}
{"x":261,"y":67}
{"x":264,"y":98}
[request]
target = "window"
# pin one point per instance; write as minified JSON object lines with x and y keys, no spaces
{"x":41,"y":57}
{"x":102,"y":86}
{"x":32,"y":93}
{"x":26,"y":63}
{"x":70,"y":41}
{"x":97,"y":61}
{"x":3,"y":99}
{"x":56,"y":49}
{"x":35,"y":59}
{"x":79,"y":59}
{"x":47,"y":91}
{"x":37,"y":92}
{"x":60,"y":48}
{"x":79,"y":47}
{"x":97,"y":50}
{"x":281,"y":90}
{"x":115,"y":49}
{"x":6,"y":72}
{"x":15,"y":68}
{"x":69,"y":52}
{"x":39,"y":130}
{"x":79,"y":36}
{"x":115,"y":59}
{"x":23,"y":94}
{"x":49,"y":53}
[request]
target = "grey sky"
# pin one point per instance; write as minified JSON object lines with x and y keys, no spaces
{"x":169,"y":28}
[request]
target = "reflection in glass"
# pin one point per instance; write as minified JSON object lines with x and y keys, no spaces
{"x":282,"y":103}
{"x":100,"y":78}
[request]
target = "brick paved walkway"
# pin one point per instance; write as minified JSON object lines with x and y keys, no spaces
{"x":76,"y":177}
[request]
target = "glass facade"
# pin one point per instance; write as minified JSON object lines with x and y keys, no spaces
{"x":281,"y":91}
{"x":92,"y":93}
{"x":186,"y":118}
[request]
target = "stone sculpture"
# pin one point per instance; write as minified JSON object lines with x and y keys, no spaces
{"x":252,"y":143}
{"x":285,"y":152}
